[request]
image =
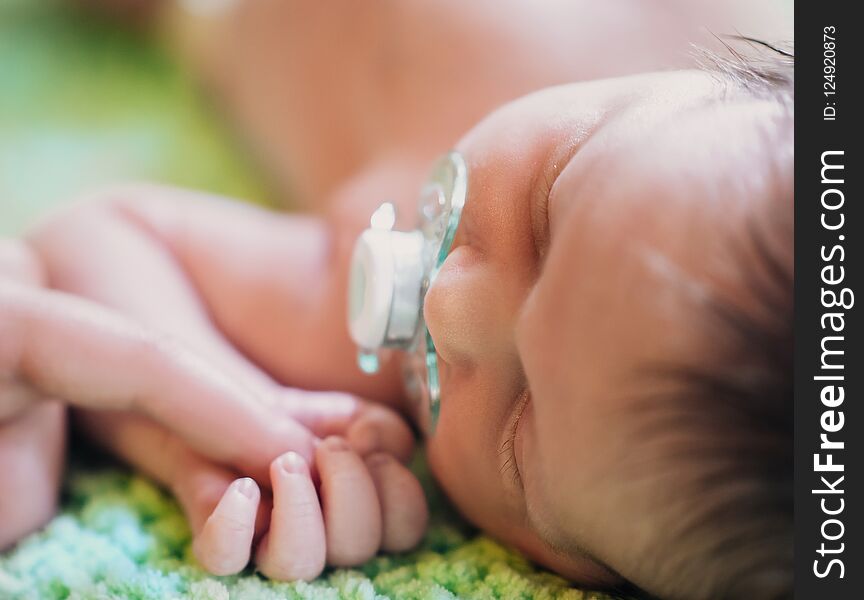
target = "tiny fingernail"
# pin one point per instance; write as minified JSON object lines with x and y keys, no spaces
{"x":291,"y":462}
{"x":335,"y":443}
{"x":246,"y":486}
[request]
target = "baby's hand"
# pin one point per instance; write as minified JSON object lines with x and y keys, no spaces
{"x":365,"y":505}
{"x":355,"y":498}
{"x":365,"y":500}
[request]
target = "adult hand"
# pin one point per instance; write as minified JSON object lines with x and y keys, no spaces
{"x":173,"y":414}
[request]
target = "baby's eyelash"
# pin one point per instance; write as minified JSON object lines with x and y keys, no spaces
{"x":509,"y":466}
{"x":507,"y":450}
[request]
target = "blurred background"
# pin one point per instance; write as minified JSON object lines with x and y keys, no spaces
{"x":85,"y":102}
{"x":100,"y":91}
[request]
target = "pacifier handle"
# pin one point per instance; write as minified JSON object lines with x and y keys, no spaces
{"x":385,"y":287}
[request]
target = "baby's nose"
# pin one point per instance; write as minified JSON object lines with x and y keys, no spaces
{"x":466,"y":309}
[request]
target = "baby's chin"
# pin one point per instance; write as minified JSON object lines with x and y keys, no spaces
{"x":494,"y":516}
{"x":572,"y":565}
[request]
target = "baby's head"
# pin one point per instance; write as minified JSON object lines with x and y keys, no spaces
{"x":614,"y":334}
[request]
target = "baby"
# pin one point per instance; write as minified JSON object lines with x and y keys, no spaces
{"x":612,"y":327}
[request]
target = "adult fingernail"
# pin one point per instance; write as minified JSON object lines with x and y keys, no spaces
{"x":365,"y":438}
{"x":291,"y":462}
{"x":247,"y":487}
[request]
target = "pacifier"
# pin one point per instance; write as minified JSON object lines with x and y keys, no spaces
{"x":391,"y":271}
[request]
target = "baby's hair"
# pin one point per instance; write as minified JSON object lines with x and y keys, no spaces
{"x":753,"y":65}
{"x":736,"y":539}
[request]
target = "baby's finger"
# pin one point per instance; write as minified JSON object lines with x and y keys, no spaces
{"x":198,"y":483}
{"x":352,"y":514}
{"x":403,"y":505}
{"x":224,"y":543}
{"x":294,"y":548}
{"x":151,"y":448}
{"x":225,"y":516}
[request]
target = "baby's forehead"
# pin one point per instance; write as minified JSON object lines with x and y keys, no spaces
{"x":717,"y":159}
{"x":660,"y":207}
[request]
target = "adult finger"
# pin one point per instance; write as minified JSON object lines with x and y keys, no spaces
{"x":31,"y":462}
{"x":378,"y":428}
{"x":72,"y":349}
{"x":19,"y":263}
{"x":367,"y":426}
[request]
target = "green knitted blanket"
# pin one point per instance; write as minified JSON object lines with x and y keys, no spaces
{"x":119,"y":537}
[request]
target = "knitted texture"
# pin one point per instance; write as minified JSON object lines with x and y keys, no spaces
{"x":119,"y":536}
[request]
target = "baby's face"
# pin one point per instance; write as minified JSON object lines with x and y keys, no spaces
{"x":597,"y":223}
